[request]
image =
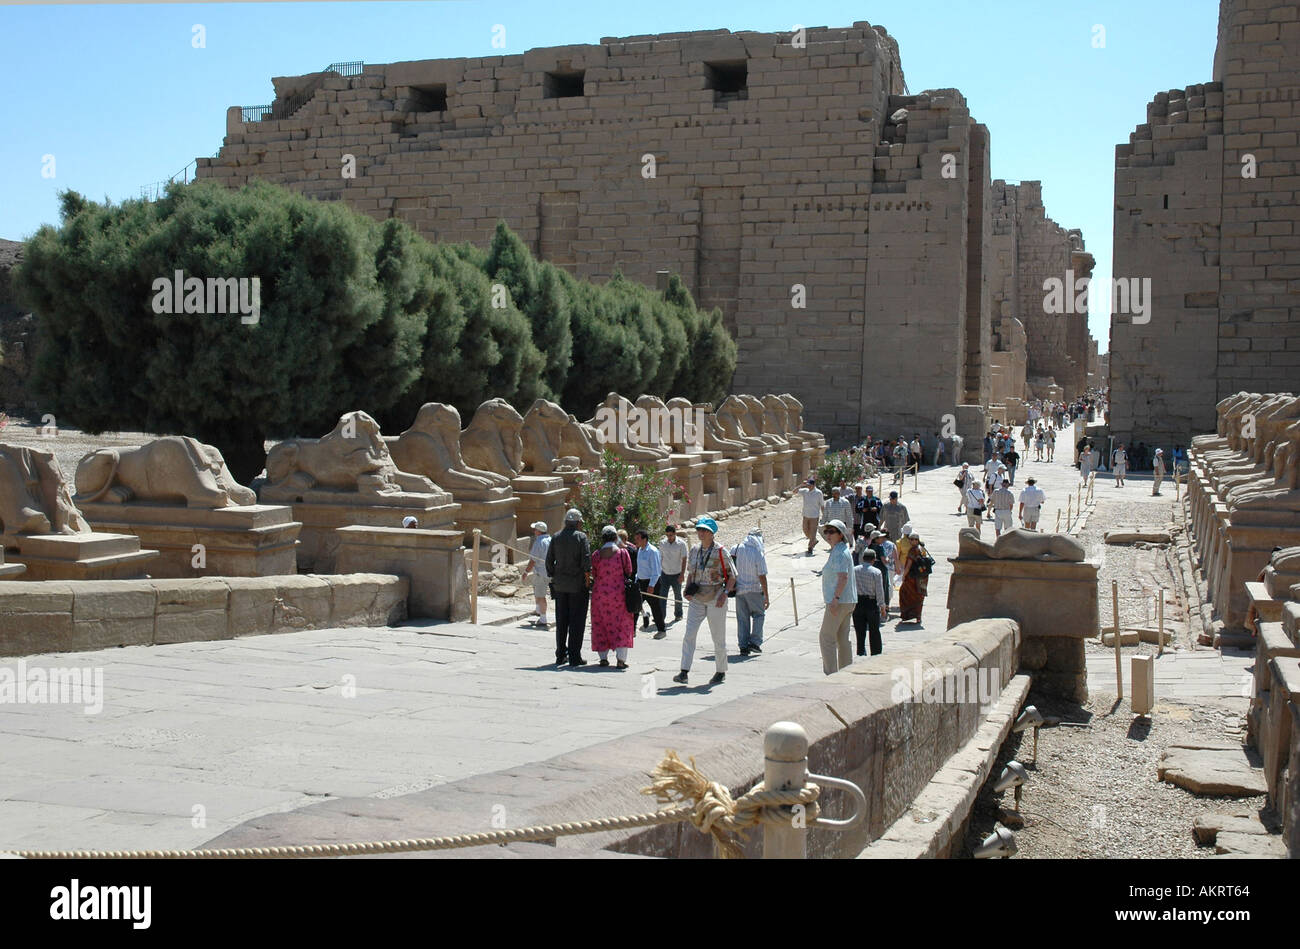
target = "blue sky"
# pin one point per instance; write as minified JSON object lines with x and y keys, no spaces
{"x":121,"y":98}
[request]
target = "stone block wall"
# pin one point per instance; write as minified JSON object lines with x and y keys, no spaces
{"x":744,"y":162}
{"x":763,"y":156}
{"x":79,"y":615}
{"x":1026,"y":247}
{"x":1206,"y":206}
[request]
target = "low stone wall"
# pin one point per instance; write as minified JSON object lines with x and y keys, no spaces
{"x":77,"y":615}
{"x":862,"y":724}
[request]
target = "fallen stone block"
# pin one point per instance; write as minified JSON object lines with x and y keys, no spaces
{"x":1262,"y":846}
{"x":1211,"y":769}
{"x":1137,"y":537}
{"x":1207,"y":827}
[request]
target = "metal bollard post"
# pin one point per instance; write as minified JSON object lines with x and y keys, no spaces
{"x":473,"y":590}
{"x":785,"y":767}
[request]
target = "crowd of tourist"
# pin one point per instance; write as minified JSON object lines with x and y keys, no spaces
{"x":876,"y":555}
{"x":623,"y":579}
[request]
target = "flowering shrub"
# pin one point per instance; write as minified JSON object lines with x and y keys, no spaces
{"x":626,"y":495}
{"x":849,"y":467}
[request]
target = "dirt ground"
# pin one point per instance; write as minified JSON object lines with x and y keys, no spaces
{"x":1093,"y":790}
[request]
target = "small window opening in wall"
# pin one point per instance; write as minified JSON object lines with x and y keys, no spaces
{"x":429,"y":98}
{"x":566,"y":84}
{"x":728,"y":80}
{"x":1166,"y":202}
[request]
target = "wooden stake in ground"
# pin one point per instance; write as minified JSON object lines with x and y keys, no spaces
{"x":1114,"y":610}
{"x":1160,"y":623}
{"x":1058,"y":520}
{"x":794,"y":603}
{"x":473,"y":590}
{"x":1069,"y":509}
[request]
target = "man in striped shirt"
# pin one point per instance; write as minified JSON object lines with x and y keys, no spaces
{"x":751,"y":592}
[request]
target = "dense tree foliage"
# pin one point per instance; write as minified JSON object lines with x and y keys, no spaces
{"x":353,"y":314}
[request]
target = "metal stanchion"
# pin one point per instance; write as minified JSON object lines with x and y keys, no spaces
{"x":473,"y":590}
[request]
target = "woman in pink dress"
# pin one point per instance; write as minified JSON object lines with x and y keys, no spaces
{"x":612,"y":626}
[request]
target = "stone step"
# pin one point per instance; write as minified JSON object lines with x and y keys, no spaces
{"x":94,"y":546}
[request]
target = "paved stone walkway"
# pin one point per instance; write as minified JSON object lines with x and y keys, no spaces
{"x":195,"y":738}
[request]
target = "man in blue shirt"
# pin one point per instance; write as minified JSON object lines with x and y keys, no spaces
{"x":840,"y":594}
{"x":647,"y":576}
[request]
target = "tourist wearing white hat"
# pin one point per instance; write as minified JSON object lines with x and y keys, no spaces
{"x":710,"y":575}
{"x":1031,"y":504}
{"x":1158,"y":469}
{"x":840,"y":594}
{"x":537,"y":568}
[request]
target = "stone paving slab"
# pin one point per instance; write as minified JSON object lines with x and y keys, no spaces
{"x":267,"y":723}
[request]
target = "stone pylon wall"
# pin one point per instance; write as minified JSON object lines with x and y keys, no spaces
{"x":1221,"y":249}
{"x":775,"y":167}
{"x":1027,"y":248}
{"x":753,"y":191}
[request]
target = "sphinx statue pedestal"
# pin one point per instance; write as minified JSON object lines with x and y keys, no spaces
{"x":717,"y":472}
{"x":10,"y":571}
{"x":689,"y":469}
{"x":433,"y":560}
{"x":91,"y":556}
{"x":251,"y":540}
{"x":1248,"y":541}
{"x":762,"y":483}
{"x":740,"y":481}
{"x":1055,"y":603}
{"x":495,"y":517}
{"x":541,"y":498}
{"x":322,"y":518}
{"x":783,"y":471}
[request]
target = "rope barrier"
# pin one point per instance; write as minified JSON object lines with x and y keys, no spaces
{"x":707,"y":805}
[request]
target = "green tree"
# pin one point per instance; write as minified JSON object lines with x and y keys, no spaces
{"x":327,"y":339}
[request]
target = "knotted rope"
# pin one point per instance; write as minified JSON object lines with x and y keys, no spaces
{"x":706,"y":804}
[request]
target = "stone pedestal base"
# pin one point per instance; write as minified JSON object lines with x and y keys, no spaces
{"x":740,"y":481}
{"x":432,"y":560}
{"x":716,"y":484}
{"x":783,"y":471}
{"x":495,"y":518}
{"x":321,"y":521}
{"x":255,"y":540}
{"x":762,"y":484}
{"x":1245,"y":550}
{"x":1055,"y":604}
{"x":688,"y":471}
{"x":83,"y":557}
{"x":541,"y":498}
{"x":572,"y":485}
{"x":9,"y":571}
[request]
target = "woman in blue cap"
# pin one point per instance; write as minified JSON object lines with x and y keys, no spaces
{"x":710,"y":575}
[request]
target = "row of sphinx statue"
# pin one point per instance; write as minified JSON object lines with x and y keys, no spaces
{"x":1244,"y":494}
{"x":432,"y":457}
